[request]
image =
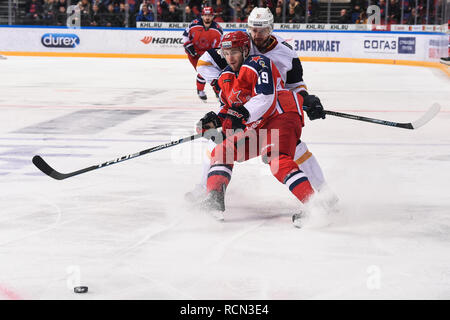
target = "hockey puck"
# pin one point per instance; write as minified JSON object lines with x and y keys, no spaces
{"x":81,"y":289}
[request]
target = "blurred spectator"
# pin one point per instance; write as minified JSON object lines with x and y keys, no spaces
{"x":96,"y":16}
{"x":248,"y":9}
{"x":239,"y":15}
{"x":196,"y":6}
{"x":162,"y":8}
{"x":85,"y":12}
{"x":406,"y":11}
{"x":100,"y":5}
{"x":278,"y":17}
{"x":394,"y":12}
{"x":343,"y":17}
{"x":172,"y":15}
{"x":362,"y":19}
{"x":146,"y":3}
{"x":412,"y":18}
{"x":110,"y":18}
{"x":61,"y":3}
{"x":221,"y":11}
{"x":176,"y":3}
{"x":131,"y":6}
{"x":145,"y":15}
{"x":33,"y":12}
{"x":292,"y":17}
{"x":362,"y":4}
{"x":122,"y":14}
{"x":356,"y":11}
{"x":313,"y":11}
{"x":298,"y":8}
{"x":49,"y":12}
{"x":271,"y":4}
{"x":61,"y":16}
{"x":382,"y":5}
{"x":188,"y":14}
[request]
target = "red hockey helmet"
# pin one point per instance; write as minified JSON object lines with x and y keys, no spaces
{"x":207,"y":11}
{"x":236,"y":39}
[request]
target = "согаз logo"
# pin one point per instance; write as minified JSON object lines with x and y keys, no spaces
{"x":60,"y":40}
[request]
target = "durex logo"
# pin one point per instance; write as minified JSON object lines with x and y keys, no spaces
{"x":60,"y":40}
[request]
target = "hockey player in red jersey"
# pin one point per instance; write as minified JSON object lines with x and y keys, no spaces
{"x":201,"y":35}
{"x":264,"y":42}
{"x":253,"y":102}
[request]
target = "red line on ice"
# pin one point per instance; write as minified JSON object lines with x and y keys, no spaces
{"x":187,"y":108}
{"x":9,"y":294}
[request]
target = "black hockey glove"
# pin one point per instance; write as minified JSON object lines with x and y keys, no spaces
{"x":314,"y":108}
{"x":235,"y":118}
{"x":209,"y":121}
{"x":215,"y":86}
{"x":189,"y":48}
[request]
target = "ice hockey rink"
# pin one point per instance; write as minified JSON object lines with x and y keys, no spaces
{"x":126,"y":232}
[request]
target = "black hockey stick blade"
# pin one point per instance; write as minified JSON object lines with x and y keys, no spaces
{"x":42,"y":165}
{"x":45,"y":168}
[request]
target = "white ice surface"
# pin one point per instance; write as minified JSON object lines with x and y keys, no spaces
{"x":129,"y":233}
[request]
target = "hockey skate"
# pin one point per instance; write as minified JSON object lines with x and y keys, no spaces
{"x":318,"y":211}
{"x":214,"y":204}
{"x":297,"y":219}
{"x":330,"y":201}
{"x":310,"y":217}
{"x":445,"y":60}
{"x":202,"y":95}
{"x":196,"y":195}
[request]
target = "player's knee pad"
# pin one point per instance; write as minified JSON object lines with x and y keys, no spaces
{"x":302,"y":153}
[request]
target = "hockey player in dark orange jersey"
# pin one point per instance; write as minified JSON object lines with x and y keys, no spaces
{"x":201,"y":35}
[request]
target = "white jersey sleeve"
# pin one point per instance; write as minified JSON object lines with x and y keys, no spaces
{"x":210,"y":65}
{"x":287,"y":62}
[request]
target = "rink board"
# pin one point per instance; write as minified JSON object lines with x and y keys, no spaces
{"x":168,"y":43}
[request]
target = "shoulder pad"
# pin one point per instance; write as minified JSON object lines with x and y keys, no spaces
{"x":287,"y":45}
{"x":196,"y":22}
{"x":257,"y":62}
{"x":227,"y":68}
{"x":221,"y":62}
{"x":216,"y":26}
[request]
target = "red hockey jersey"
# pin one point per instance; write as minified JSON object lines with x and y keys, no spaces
{"x":259,"y":88}
{"x":202,"y":38}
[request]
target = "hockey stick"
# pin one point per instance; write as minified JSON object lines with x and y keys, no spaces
{"x":45,"y":167}
{"x":425,"y":118}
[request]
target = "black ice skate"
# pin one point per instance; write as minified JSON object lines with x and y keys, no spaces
{"x":318,"y":212}
{"x":445,"y":61}
{"x":202,"y":95}
{"x":297,"y":219}
{"x":214,"y":204}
